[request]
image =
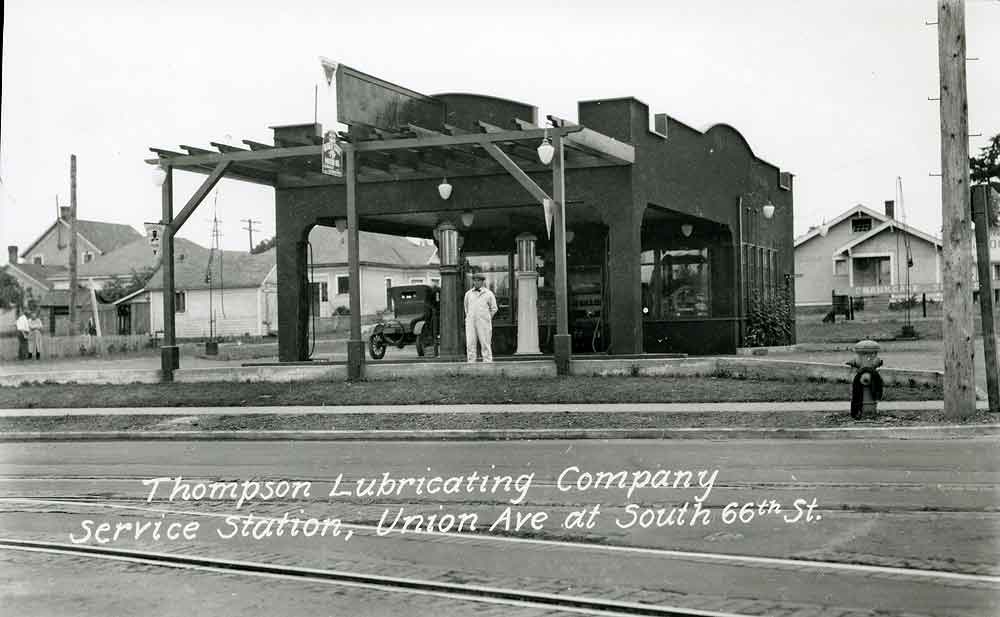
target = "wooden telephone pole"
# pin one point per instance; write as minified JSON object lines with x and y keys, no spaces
{"x":958,"y":330}
{"x":72,"y":245}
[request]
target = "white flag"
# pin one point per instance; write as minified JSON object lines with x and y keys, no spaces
{"x":547,"y":206}
{"x":329,"y":69}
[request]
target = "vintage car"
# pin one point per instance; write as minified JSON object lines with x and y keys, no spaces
{"x":415,"y":320}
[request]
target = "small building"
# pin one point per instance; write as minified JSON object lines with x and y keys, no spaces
{"x":216,"y":293}
{"x":865,"y":253}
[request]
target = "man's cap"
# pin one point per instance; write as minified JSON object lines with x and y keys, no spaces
{"x":479,"y":276}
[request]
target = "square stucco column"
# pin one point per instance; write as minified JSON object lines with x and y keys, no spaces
{"x":625,"y":282}
{"x":293,"y":300}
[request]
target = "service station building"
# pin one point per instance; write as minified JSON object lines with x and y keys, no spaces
{"x":639,"y":235}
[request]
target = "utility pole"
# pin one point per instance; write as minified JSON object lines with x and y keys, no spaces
{"x":72,"y":246}
{"x":250,"y":223}
{"x":958,"y":332}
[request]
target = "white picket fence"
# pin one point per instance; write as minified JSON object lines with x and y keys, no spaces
{"x":79,"y":346}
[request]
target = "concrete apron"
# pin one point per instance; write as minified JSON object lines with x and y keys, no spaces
{"x":727,"y":366}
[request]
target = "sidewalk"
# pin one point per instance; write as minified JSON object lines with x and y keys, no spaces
{"x":513,"y":408}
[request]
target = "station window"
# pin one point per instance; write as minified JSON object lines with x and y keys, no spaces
{"x":861,"y":225}
{"x":180,"y":302}
{"x":343,"y":284}
{"x":840,"y":267}
{"x":38,"y":260}
{"x":676,"y":283}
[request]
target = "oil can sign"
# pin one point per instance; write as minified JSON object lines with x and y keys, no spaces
{"x":333,"y":156}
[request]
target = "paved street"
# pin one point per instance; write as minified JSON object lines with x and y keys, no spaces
{"x":901,"y":527}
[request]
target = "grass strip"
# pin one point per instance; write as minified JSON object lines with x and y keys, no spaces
{"x":444,"y":390}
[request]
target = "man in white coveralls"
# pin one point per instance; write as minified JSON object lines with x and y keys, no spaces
{"x":480,"y":307}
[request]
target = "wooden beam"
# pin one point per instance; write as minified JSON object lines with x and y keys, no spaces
{"x":199,"y":195}
{"x":214,"y":158}
{"x":194,"y":150}
{"x":593,"y":142}
{"x":256,"y":145}
{"x":524,"y":152}
{"x":226,"y":148}
{"x":519,"y":175}
{"x":458,"y":140}
{"x":576,"y":155}
{"x":166,"y":154}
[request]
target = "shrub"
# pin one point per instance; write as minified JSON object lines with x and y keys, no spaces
{"x":769,"y":321}
{"x":343,"y":310}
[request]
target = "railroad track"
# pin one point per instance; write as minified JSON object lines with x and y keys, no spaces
{"x":457,"y":591}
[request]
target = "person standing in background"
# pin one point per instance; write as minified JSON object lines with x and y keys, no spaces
{"x":23,"y":332}
{"x":35,"y":340}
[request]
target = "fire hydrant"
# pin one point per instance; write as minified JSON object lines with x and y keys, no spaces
{"x":866,"y":390}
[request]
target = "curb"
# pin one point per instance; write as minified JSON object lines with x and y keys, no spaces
{"x":862,"y":432}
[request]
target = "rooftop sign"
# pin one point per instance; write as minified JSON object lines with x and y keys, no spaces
{"x":369,"y":101}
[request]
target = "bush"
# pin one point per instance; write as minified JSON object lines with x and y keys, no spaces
{"x":343,"y":310}
{"x":769,"y":321}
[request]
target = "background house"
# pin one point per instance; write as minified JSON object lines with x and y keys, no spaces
{"x":864,"y":253}
{"x":94,"y":238}
{"x":386,"y":261}
{"x":217,"y":293}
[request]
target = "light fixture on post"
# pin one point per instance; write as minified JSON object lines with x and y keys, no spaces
{"x":570,"y":234}
{"x":444,"y":189}
{"x":468,"y":217}
{"x":768,"y":209}
{"x":340,"y":223}
{"x":159,"y":176}
{"x":687,"y":229}
{"x":546,"y":150}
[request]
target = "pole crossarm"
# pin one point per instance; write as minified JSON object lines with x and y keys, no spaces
{"x":519,"y":175}
{"x":199,"y":196}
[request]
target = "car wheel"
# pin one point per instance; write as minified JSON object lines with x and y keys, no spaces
{"x":376,"y":346}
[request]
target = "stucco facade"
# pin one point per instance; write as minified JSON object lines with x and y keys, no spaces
{"x":708,"y":180}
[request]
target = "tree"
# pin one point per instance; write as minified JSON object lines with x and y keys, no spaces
{"x":263,"y":245}
{"x":119,"y":287}
{"x":11,"y":292}
{"x":985,"y":168}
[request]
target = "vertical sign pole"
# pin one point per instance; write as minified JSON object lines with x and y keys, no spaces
{"x":562,"y":338}
{"x":959,"y":388}
{"x":355,"y":346}
{"x":981,"y":216}
{"x":169,"y":357}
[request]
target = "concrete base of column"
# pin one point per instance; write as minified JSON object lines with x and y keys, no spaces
{"x":170,"y":360}
{"x":355,"y":359}
{"x":562,"y":344}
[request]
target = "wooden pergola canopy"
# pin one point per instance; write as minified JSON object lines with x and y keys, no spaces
{"x":417,"y":153}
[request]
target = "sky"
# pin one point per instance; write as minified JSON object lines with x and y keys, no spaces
{"x":835,"y":92}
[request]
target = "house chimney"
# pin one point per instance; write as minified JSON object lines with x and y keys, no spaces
{"x":12,"y":253}
{"x":64,"y":213}
{"x":890,"y":208}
